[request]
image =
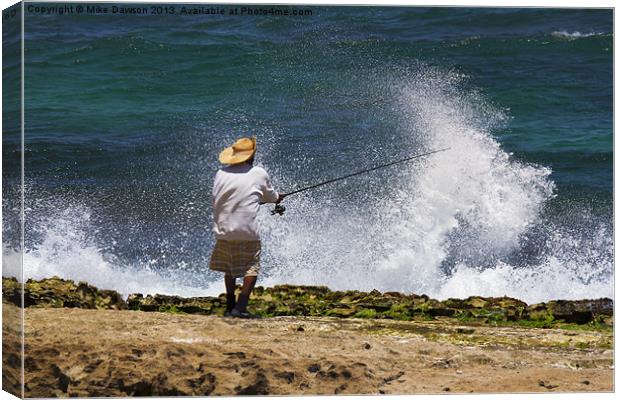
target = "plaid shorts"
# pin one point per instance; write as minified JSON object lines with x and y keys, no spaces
{"x":236,"y":257}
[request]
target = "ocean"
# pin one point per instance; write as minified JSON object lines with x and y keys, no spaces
{"x":126,"y":113}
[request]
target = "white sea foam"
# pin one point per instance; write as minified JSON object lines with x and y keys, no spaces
{"x":67,"y":250}
{"x":473,"y":198}
{"x":573,"y":35}
{"x":11,"y":263}
{"x":454,"y":224}
{"x":458,"y":225}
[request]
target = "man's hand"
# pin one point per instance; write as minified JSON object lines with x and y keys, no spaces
{"x":280,"y":198}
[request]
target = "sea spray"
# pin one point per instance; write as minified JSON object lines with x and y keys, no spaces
{"x":470,"y":204}
{"x":62,"y":241}
{"x":471,"y":221}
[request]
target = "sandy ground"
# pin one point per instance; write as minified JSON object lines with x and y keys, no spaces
{"x":73,"y":352}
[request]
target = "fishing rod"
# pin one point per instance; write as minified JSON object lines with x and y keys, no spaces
{"x":279,"y":209}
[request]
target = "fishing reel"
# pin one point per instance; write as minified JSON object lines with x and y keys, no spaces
{"x":278,"y":209}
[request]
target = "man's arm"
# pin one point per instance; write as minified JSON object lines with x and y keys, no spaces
{"x":269,"y":194}
{"x":280,"y":198}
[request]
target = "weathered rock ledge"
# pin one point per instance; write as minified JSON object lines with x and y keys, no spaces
{"x":289,"y":300}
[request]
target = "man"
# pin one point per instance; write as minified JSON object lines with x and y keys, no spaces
{"x":238,"y":191}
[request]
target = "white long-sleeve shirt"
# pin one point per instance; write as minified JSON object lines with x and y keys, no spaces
{"x":238,"y":191}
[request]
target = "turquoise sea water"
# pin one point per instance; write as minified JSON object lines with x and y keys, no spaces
{"x":125,"y":116}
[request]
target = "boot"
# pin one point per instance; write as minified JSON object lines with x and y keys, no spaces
{"x":241,"y":309}
{"x":230,"y":303}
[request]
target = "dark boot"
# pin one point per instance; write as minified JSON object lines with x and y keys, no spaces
{"x":242,"y":302}
{"x":230,"y":303}
{"x":231,"y":285}
{"x":241,"y":309}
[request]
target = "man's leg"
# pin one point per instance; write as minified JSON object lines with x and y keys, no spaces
{"x":231,"y":284}
{"x":249,"y":279}
{"x":244,"y":296}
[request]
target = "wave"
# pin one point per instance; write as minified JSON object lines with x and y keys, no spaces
{"x":474,"y":220}
{"x":62,"y":243}
{"x":575,"y":35}
{"x":469,"y":221}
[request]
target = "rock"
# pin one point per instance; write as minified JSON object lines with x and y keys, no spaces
{"x":258,"y":290}
{"x":351,"y":296}
{"x":314,"y":368}
{"x":134,"y":300}
{"x":512,"y":309}
{"x":297,"y":308}
{"x":292,"y":291}
{"x":63,"y":379}
{"x":393,"y":377}
{"x":459,"y":304}
{"x":203,"y":385}
{"x":547,"y":385}
{"x":376,"y":305}
{"x":476,"y":302}
{"x":490,"y":309}
{"x":176,"y":304}
{"x":571,"y":311}
{"x":236,"y":354}
{"x":288,"y":376}
{"x":509,"y":302}
{"x":259,"y":387}
{"x":537,"y":312}
{"x":580,"y":311}
{"x":341,"y":312}
{"x":367,"y":346}
{"x":11,"y":291}
{"x":332,"y":375}
{"x":57,"y":292}
{"x":297,"y":300}
{"x":551,"y":386}
{"x":110,"y":299}
{"x":437,"y":309}
{"x":340,"y":388}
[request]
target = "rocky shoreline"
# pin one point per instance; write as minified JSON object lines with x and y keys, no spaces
{"x":83,"y":341}
{"x":315,"y":301}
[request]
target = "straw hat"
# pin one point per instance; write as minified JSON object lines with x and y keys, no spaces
{"x":241,"y":151}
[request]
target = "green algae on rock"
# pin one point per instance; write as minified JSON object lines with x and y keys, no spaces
{"x":294,"y":300}
{"x":57,"y":292}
